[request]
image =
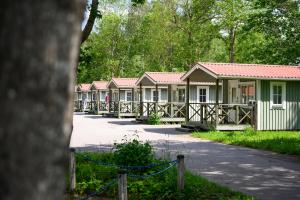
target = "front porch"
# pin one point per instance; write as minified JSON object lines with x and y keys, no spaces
{"x":122,"y":109}
{"x":233,"y":106}
{"x":167,"y":111}
{"x":213,"y":116}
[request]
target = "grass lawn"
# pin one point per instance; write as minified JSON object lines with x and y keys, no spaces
{"x":285,"y":142}
{"x":90,"y":177}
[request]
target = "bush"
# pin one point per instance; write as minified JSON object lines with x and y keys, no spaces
{"x":154,"y":119}
{"x":133,"y":152}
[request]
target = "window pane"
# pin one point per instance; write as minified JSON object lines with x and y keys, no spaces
{"x":279,"y":90}
{"x":274,"y":89}
{"x":279,"y":101}
{"x":129,"y":96}
{"x":181,"y":93}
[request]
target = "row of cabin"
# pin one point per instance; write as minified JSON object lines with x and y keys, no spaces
{"x":218,"y":96}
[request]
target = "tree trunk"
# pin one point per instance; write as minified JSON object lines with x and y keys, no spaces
{"x":39,"y":43}
{"x":91,"y":20}
{"x":231,"y":45}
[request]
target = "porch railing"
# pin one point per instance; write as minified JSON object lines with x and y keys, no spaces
{"x":102,"y":106}
{"x":164,"y":109}
{"x":238,"y":114}
{"x":124,"y":107}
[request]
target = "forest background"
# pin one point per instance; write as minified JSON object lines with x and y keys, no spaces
{"x":171,"y":35}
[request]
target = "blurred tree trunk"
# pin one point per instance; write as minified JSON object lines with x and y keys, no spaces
{"x":39,"y":43}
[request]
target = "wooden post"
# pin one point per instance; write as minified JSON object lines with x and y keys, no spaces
{"x":187,"y":110}
{"x":180,"y":172}
{"x":98,"y":101}
{"x":91,"y":100}
{"x":72,"y":170}
{"x":217,"y":102}
{"x":122,"y":185}
{"x":110,"y":99}
{"x":132,"y":100}
{"x":141,"y":101}
{"x":156,"y":100}
{"x":237,"y":117}
{"x":170,"y":98}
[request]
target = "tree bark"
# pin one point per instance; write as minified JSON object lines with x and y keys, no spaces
{"x":39,"y":43}
{"x":90,"y":22}
{"x":231,"y":45}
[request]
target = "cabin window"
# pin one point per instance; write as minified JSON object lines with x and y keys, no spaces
{"x":155,"y":96}
{"x":128,"y":95}
{"x":79,"y":96}
{"x":103,"y":95}
{"x":83,"y":96}
{"x":202,"y":94}
{"x":247,"y":93}
{"x":277,"y":94}
{"x":94,"y":96}
{"x":115,"y":96}
{"x":181,"y":95}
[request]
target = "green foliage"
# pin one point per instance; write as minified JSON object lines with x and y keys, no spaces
{"x":171,"y":34}
{"x":133,"y":152}
{"x":91,"y":176}
{"x":154,"y":119}
{"x":285,"y":142}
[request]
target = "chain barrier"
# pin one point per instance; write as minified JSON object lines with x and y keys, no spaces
{"x":112,"y":182}
{"x":127,"y":166}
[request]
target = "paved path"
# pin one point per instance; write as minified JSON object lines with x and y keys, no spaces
{"x":262,"y":174}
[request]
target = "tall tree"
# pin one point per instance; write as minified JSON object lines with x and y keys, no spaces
{"x":38,"y":50}
{"x":231,"y":16}
{"x":279,"y":21}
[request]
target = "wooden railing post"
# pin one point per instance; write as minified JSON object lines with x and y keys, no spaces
{"x":72,"y":170}
{"x":180,"y":172}
{"x":119,"y":108}
{"x":237,"y":115}
{"x":201,"y":113}
{"x":122,"y":185}
{"x":187,"y":101}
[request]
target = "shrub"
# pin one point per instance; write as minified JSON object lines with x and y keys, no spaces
{"x":154,"y":119}
{"x":249,"y":131}
{"x":133,"y":152}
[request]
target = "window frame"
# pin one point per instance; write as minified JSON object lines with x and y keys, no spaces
{"x":126,"y":95}
{"x":181,"y":88}
{"x":207,"y":93}
{"x":283,"y":95}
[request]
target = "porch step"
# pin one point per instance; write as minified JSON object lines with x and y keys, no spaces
{"x":184,"y":130}
{"x":195,"y":127}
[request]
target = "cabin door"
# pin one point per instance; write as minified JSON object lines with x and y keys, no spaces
{"x":233,"y":98}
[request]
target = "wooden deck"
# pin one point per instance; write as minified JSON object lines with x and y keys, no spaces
{"x":202,"y":116}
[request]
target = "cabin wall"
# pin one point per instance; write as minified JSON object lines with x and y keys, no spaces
{"x":279,"y":119}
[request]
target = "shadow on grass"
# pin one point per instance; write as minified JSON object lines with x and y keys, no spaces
{"x":289,"y":146}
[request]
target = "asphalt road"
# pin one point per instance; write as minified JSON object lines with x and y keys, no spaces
{"x":263,"y":174}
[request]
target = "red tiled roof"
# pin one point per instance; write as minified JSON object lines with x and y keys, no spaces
{"x":100,"y":85}
{"x":165,"y":77}
{"x":85,"y":87}
{"x":168,"y":78}
{"x":254,"y":71}
{"x":124,"y":82}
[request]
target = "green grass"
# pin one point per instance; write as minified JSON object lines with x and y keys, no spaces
{"x":284,"y":142}
{"x":91,"y":177}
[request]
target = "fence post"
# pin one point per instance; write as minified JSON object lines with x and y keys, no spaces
{"x":72,"y":170}
{"x":122,"y":185}
{"x":180,"y":172}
